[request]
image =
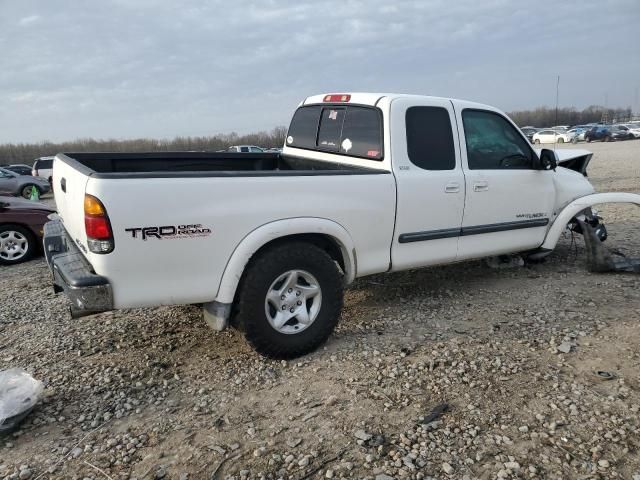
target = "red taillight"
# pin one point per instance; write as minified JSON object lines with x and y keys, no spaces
{"x":97,"y":226}
{"x":337,"y":97}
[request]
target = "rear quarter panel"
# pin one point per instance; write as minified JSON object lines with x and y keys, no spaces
{"x":188,"y":269}
{"x":70,"y":203}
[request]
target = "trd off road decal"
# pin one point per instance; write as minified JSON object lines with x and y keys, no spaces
{"x":168,"y":232}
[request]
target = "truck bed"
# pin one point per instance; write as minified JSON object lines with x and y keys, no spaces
{"x":185,"y":164}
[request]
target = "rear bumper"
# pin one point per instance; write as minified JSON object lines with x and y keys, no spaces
{"x":88,"y":292}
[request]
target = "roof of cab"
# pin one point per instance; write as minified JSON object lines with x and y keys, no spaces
{"x":369,"y":98}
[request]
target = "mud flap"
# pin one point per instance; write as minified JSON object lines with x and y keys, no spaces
{"x":599,"y":259}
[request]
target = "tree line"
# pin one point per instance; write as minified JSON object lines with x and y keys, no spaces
{"x":26,"y":152}
{"x":546,"y":116}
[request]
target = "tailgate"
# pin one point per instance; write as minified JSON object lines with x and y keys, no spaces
{"x":68,"y":187}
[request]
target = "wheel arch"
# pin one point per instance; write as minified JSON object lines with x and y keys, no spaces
{"x":330,"y":236}
{"x":568,"y":212}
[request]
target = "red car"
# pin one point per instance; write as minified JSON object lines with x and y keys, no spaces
{"x":21,"y":224}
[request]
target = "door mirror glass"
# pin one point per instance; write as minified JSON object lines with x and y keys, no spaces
{"x":548,"y":159}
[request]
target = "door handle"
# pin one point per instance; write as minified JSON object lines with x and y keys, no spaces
{"x":480,"y":186}
{"x":63,"y":184}
{"x":453,"y":187}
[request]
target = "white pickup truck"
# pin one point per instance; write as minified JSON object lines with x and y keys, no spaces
{"x":366,"y":183}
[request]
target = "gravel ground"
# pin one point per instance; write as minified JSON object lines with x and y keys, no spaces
{"x":153,"y":393}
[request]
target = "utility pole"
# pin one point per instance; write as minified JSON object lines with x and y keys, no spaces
{"x":557,"y":97}
{"x":605,"y":113}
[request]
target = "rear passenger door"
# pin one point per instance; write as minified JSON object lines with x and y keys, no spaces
{"x":430,"y":182}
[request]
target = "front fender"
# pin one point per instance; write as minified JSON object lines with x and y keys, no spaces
{"x":278,"y":229}
{"x":570,"y":211}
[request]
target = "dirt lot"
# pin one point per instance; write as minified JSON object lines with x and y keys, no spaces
{"x":153,"y":393}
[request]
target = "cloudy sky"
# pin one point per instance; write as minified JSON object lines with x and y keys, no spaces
{"x":157,"y":68}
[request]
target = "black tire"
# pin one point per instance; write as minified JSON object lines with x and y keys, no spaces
{"x":258,"y":279}
{"x":587,"y":139}
{"x":26,"y":191}
{"x":537,"y":141}
{"x":560,"y":140}
{"x":607,"y":139}
{"x":21,"y":231}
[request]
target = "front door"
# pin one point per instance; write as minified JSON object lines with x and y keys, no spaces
{"x":509,"y":202}
{"x":430,"y":182}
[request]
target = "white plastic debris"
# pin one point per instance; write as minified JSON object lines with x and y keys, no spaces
{"x":19,"y":393}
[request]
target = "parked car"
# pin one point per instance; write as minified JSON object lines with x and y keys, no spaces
{"x":529,"y":132}
{"x":560,"y":128}
{"x":632,"y":131}
{"x":634,"y":128}
{"x":21,"y":228}
{"x":21,"y":185}
{"x":274,"y":150}
{"x":550,"y":136}
{"x":19,"y":169}
{"x":43,"y":167}
{"x":576,"y":134}
{"x":245,"y":149}
{"x":599,"y":132}
{"x":606,"y":133}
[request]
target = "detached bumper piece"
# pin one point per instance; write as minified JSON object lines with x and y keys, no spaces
{"x":88,"y":292}
{"x":599,"y":259}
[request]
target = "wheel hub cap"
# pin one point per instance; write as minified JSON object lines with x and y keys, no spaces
{"x":293,"y":301}
{"x":13,"y":245}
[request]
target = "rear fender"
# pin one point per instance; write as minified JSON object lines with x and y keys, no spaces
{"x":570,"y":211}
{"x":279,"y":229}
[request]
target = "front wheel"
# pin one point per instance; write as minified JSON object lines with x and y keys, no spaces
{"x":27,"y":189}
{"x":560,"y":140}
{"x":17,"y":244}
{"x":537,"y":141}
{"x":290,"y":300}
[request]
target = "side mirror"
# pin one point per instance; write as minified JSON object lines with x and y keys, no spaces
{"x":548,"y":160}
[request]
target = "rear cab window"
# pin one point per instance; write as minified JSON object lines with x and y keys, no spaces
{"x":44,"y":164}
{"x":351,"y":130}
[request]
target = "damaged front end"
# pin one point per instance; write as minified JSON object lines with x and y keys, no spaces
{"x":599,"y":258}
{"x":590,"y":217}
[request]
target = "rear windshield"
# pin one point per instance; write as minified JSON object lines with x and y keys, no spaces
{"x":347,"y":130}
{"x":44,"y":163}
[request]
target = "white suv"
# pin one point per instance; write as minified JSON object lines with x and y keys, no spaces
{"x":43,"y":167}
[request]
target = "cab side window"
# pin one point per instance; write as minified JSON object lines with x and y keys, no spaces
{"x":493,"y":143}
{"x":430,"y":138}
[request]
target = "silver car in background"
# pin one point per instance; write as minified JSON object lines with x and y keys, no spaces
{"x":21,"y":185}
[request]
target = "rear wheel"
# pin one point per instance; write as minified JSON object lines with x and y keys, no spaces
{"x":606,"y":139}
{"x":27,"y":189}
{"x":17,"y":244}
{"x":290,"y":300}
{"x":560,"y":140}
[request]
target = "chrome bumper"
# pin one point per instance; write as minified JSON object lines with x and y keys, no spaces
{"x":88,"y":292}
